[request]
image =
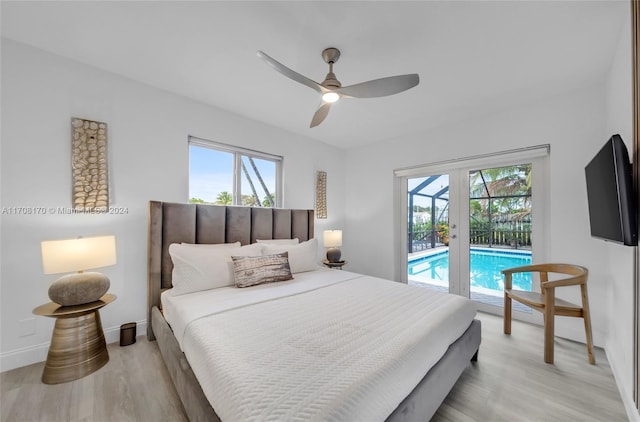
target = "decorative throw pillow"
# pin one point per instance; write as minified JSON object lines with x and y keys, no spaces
{"x":203,"y":268}
{"x":254,"y":270}
{"x":302,"y":257}
{"x":293,"y":241}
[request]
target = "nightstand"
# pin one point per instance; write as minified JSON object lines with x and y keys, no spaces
{"x":78,"y":347}
{"x":335,"y":265}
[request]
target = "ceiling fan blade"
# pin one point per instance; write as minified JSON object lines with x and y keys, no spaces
{"x":320,"y":114}
{"x":290,"y":73}
{"x":380,"y":87}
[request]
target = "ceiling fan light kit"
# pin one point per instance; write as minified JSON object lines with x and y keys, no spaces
{"x":330,"y":97}
{"x":331,"y":90}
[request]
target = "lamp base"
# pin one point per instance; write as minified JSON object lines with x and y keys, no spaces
{"x":333,"y":255}
{"x":79,"y":288}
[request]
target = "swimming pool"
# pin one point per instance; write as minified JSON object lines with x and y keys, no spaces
{"x":485,"y":264}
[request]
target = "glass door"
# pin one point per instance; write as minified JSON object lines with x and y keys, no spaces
{"x":428,"y":232}
{"x":500,"y":226}
{"x":466,"y":222}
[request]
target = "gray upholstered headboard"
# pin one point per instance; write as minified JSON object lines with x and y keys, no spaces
{"x":196,"y":223}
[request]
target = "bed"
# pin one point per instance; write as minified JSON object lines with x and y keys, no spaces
{"x":309,"y":348}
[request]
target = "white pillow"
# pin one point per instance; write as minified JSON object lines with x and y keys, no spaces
{"x":196,"y":269}
{"x":302,"y":257}
{"x":293,"y":241}
{"x":211,"y":245}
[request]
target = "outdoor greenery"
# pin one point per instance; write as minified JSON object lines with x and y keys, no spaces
{"x":225,"y":198}
{"x":499,"y":208}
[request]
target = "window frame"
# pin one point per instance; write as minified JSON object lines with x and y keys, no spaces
{"x":238,"y":153}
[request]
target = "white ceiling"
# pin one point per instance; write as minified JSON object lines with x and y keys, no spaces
{"x":473,"y":57}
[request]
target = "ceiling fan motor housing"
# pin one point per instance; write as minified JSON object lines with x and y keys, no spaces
{"x":330,"y":81}
{"x":330,"y":56}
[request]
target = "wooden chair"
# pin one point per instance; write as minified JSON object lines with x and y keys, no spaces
{"x":547,"y":303}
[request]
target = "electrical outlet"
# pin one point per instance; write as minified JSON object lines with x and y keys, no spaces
{"x":27,"y":327}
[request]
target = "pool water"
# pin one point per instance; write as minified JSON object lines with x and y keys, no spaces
{"x":485,"y":268}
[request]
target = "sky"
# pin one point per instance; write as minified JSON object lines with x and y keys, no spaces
{"x":432,"y":188}
{"x":211,"y":172}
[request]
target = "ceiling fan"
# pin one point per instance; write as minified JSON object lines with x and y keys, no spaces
{"x":332,"y":90}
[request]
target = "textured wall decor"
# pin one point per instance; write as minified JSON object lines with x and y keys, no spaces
{"x":321,"y":194}
{"x":89,"y":165}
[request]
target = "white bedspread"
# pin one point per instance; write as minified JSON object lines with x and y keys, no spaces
{"x":179,"y":311}
{"x":329,"y":345}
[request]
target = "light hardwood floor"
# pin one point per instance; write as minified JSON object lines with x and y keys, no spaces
{"x":510,"y":382}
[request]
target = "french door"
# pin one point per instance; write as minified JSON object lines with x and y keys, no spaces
{"x":462,"y":222}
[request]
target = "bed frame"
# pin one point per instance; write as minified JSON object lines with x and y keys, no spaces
{"x":196,"y":223}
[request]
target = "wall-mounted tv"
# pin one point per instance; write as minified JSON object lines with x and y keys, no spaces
{"x":610,"y":194}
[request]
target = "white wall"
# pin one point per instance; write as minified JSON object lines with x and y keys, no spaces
{"x":148,"y":154}
{"x":619,"y":259}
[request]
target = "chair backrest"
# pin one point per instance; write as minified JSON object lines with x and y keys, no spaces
{"x":579,"y":274}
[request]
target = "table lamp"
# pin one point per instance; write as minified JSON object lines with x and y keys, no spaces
{"x":61,"y":256}
{"x":333,"y":240}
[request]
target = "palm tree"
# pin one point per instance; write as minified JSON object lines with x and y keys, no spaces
{"x":508,"y":187}
{"x":499,"y":196}
{"x":250,"y":201}
{"x":269,"y":201}
{"x":224,"y":198}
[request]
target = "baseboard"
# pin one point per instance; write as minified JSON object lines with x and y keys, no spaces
{"x":627,"y":396}
{"x":38,"y":353}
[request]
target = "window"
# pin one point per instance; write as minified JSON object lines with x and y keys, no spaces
{"x":226,"y":175}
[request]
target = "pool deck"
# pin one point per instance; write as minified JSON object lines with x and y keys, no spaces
{"x":443,"y":248}
{"x":427,"y":252}
{"x":495,"y":300}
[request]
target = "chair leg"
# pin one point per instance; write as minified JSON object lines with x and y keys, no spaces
{"x":548,"y":339}
{"x":507,"y":314}
{"x":587,"y":324}
{"x":549,"y":321}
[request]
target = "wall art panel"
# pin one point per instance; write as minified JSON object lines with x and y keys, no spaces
{"x":89,"y":165}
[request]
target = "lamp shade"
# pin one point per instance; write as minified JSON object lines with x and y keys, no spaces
{"x":332,"y":238}
{"x":61,"y":256}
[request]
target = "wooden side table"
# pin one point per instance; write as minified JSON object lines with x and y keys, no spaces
{"x":78,"y":347}
{"x":334,"y":265}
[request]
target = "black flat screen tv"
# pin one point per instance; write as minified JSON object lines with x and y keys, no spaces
{"x":610,"y":194}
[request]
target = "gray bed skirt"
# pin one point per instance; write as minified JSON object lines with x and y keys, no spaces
{"x":420,"y":405}
{"x":426,"y":398}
